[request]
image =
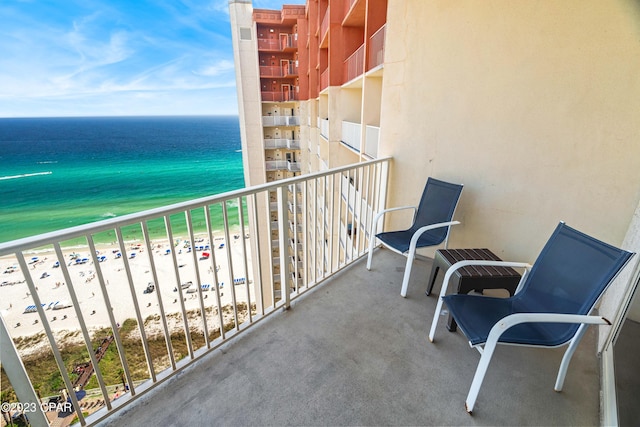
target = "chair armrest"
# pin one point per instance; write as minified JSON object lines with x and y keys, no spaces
{"x":460,"y":264}
{"x":420,"y":231}
{"x":515,"y":319}
{"x":374,"y":224}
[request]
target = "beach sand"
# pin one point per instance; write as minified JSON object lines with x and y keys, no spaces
{"x":51,"y":285}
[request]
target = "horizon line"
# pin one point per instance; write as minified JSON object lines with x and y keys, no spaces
{"x":119,"y":116}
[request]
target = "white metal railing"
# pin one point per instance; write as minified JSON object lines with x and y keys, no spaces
{"x":372,"y":138}
{"x":274,"y":165}
{"x":293,"y":144}
{"x":275,"y":143}
{"x":293,"y":166}
{"x":274,"y":121}
{"x":351,"y":133}
{"x":324,"y":128}
{"x":180,"y":275}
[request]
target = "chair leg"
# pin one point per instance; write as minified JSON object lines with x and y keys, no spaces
{"x":407,"y":272}
{"x":566,"y":359}
{"x":372,"y":243}
{"x":481,"y":370}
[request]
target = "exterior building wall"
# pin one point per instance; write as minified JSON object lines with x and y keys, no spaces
{"x":533,"y":106}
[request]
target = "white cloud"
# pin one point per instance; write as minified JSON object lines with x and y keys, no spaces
{"x":212,"y":70}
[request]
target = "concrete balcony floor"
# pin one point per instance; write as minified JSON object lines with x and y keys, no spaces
{"x":354,"y":352}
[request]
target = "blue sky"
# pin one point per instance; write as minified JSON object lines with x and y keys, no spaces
{"x":117,"y":57}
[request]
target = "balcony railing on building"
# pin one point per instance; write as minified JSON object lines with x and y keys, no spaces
{"x":324,"y":128}
{"x":162,"y":243}
{"x":354,"y":64}
{"x":287,"y":95}
{"x":268,"y":44}
{"x":274,"y":165}
{"x":376,"y":48}
{"x":273,"y":143}
{"x":324,"y":79}
{"x":271,"y":71}
{"x":371,"y":141}
{"x":324,"y":26}
{"x":351,"y":134}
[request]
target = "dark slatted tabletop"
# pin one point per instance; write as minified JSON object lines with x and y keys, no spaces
{"x":454,"y":255}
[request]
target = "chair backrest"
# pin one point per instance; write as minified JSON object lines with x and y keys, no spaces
{"x":571,"y":273}
{"x":438,"y":204}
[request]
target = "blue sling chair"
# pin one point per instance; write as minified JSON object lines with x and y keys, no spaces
{"x":550,"y":308}
{"x":431,"y":223}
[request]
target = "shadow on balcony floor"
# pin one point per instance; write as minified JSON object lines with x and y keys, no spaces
{"x":354,"y":352}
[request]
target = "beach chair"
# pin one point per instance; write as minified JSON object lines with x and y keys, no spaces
{"x":431,"y":223}
{"x":551,"y":307}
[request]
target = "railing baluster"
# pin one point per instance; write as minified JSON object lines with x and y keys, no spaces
{"x":214,"y":266}
{"x":203,"y":313}
{"x":163,"y":315}
{"x":283,"y":235}
{"x":49,"y":333}
{"x":232,"y":276}
{"x":83,"y":326}
{"x":19,"y":379}
{"x":255,"y":238}
{"x":183,"y":309}
{"x":114,"y":325}
{"x":244,"y":258}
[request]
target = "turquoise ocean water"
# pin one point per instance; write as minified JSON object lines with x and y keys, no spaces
{"x":62,"y":172}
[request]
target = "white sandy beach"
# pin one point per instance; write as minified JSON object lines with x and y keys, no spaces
{"x":52,"y":287}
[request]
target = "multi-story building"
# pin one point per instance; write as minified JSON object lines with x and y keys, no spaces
{"x":527,"y":104}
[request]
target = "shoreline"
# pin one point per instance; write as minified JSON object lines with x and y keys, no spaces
{"x":51,"y":287}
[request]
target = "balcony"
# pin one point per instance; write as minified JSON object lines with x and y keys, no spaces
{"x":324,"y":128}
{"x":376,"y":48}
{"x":192,"y":311}
{"x":356,"y":353}
{"x":289,"y":95}
{"x":353,"y":353}
{"x":351,"y":133}
{"x":354,"y":65}
{"x":293,"y":166}
{"x":268,"y":44}
{"x":272,"y":143}
{"x":275,"y":165}
{"x":372,"y":138}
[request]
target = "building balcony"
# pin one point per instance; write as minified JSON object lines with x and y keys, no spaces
{"x":354,"y":65}
{"x":272,"y":143}
{"x":271,"y":71}
{"x":268,"y":44}
{"x":340,"y":348}
{"x":351,"y":134}
{"x":293,"y":166}
{"x":274,"y":165}
{"x":290,"y":95}
{"x":376,"y":48}
{"x":372,"y":138}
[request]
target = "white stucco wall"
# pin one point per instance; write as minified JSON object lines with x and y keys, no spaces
{"x":533,"y":105}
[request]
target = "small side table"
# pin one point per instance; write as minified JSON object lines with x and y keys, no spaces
{"x":473,"y":277}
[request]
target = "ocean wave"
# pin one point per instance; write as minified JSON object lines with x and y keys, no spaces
{"x":47,"y":162}
{"x":25,"y":175}
{"x":108,"y":215}
{"x":238,"y":151}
